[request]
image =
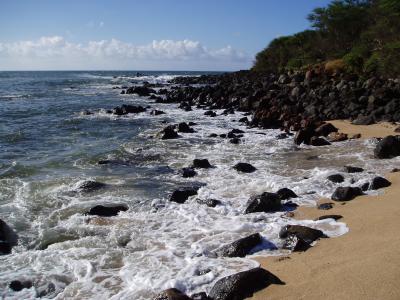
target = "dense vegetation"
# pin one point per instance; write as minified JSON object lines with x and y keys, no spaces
{"x":364,"y":34}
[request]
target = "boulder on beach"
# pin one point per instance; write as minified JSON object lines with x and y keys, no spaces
{"x":243,"y":284}
{"x":305,"y":233}
{"x":334,"y":217}
{"x":346,"y":193}
{"x":172,"y":294}
{"x":388,"y":147}
{"x":325,"y":206}
{"x":379,"y":182}
{"x":241,"y":247}
{"x":201,"y":164}
{"x":325,"y":129}
{"x":266,"y":202}
{"x":318,"y":141}
{"x":180,"y":196}
{"x":106,"y":211}
{"x":337,"y":137}
{"x":295,"y":244}
{"x":244,"y":167}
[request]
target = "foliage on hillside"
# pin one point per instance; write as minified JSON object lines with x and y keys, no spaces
{"x":364,"y":33}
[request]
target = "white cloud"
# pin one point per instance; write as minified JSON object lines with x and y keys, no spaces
{"x":55,"y":52}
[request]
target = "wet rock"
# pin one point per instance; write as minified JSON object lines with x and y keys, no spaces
{"x":364,"y":120}
{"x":188,"y":172}
{"x":223,"y":135}
{"x":337,"y":137}
{"x":213,"y":135}
{"x":388,"y":147}
{"x":336,"y":178}
{"x":201,"y":164}
{"x":180,"y":196}
{"x":183,"y":127}
{"x":244,"y":120}
{"x":106,"y":211}
{"x":295,"y":244}
{"x":266,"y":202}
{"x":210,"y":113}
{"x":234,"y":141}
{"x":379,"y":182}
{"x":325,"y":129}
{"x":242,"y":285}
{"x":318,"y":141}
{"x":209,"y":202}
{"x":127,"y":109}
{"x":168,"y":133}
{"x":91,"y":186}
{"x":282,"y":136}
{"x":346,"y":193}
{"x":241,"y":247}
{"x":365,"y":187}
{"x":8,"y":238}
{"x":244,"y":167}
{"x":325,"y":206}
{"x":350,"y":169}
{"x":334,"y":217}
{"x":304,"y":233}
{"x":200,"y":296}
{"x":236,"y":131}
{"x":286,"y":193}
{"x":140,"y":90}
{"x":303,"y":136}
{"x":17,"y":285}
{"x":172,"y":294}
{"x":156,"y":112}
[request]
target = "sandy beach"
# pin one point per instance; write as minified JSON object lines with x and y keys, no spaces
{"x":362,"y":264}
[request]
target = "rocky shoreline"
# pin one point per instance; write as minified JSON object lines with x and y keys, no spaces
{"x":300,"y":104}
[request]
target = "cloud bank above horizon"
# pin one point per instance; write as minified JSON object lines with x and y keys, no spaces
{"x":56,"y":53}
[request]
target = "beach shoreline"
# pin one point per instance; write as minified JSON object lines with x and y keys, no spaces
{"x":363,"y":263}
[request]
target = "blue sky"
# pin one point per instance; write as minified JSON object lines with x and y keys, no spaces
{"x":151,"y":34}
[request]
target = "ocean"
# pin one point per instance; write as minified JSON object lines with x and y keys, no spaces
{"x":49,"y":147}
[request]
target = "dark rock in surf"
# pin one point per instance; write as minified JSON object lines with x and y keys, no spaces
{"x":234,"y":141}
{"x":168,"y":133}
{"x":200,"y":296}
{"x":346,"y":193}
{"x":180,"y":196}
{"x":266,"y":202}
{"x":334,"y":217}
{"x":209,"y":202}
{"x":156,"y":112}
{"x":17,"y":285}
{"x":388,"y":147}
{"x":307,"y":234}
{"x":295,"y":244}
{"x":183,"y":127}
{"x":201,"y":164}
{"x":350,"y":169}
{"x":172,"y":294}
{"x":239,"y":248}
{"x":336,"y":178}
{"x":106,"y":211}
{"x":244,"y":167}
{"x":127,"y":109}
{"x":325,"y":129}
{"x":90,"y":185}
{"x":188,"y":172}
{"x":243,"y":284}
{"x":318,"y":141}
{"x":210,"y":113}
{"x":8,"y":238}
{"x":379,"y":182}
{"x":286,"y":193}
{"x":140,"y":90}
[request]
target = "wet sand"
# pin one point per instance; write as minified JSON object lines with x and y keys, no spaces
{"x":362,"y":264}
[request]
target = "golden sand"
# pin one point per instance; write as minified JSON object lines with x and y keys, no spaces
{"x":362,"y":264}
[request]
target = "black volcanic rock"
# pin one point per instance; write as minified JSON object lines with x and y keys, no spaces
{"x":243,"y":284}
{"x":266,"y":202}
{"x":183,"y":127}
{"x":180,"y":196}
{"x":244,"y":167}
{"x":379,"y":182}
{"x":168,"y":133}
{"x":188,"y":172}
{"x":172,"y":294}
{"x":201,"y":164}
{"x":346,"y":193}
{"x":286,"y":193}
{"x":351,"y":169}
{"x":336,"y":178}
{"x":307,"y":234}
{"x":241,"y":247}
{"x":90,"y":185}
{"x":388,"y":147}
{"x":106,"y":211}
{"x":209,"y":202}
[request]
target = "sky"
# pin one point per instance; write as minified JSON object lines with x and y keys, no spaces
{"x":213,"y":35}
